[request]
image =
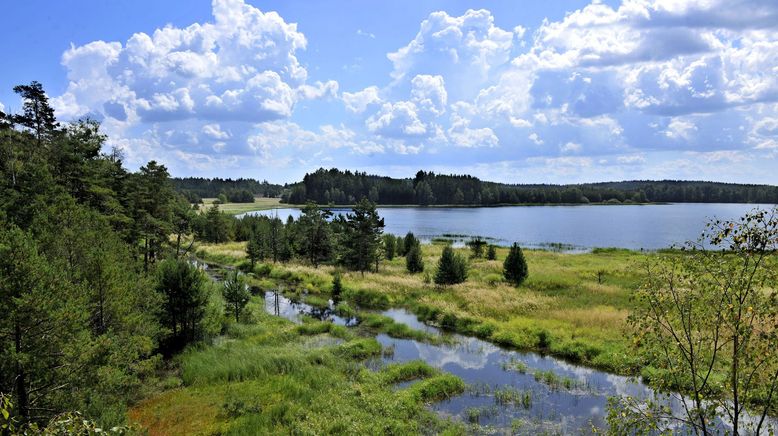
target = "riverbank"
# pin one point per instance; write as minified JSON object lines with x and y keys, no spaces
{"x":266,"y":375}
{"x":572,"y":306}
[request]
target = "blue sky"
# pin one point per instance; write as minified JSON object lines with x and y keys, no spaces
{"x":521,"y":92}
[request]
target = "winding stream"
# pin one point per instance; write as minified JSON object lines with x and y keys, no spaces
{"x":508,"y":391}
{"x":506,"y":388}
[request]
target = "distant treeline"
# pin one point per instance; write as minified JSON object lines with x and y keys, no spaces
{"x":236,"y":191}
{"x":427,"y":188}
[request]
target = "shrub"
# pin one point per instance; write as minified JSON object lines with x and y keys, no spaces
{"x":452,"y":268}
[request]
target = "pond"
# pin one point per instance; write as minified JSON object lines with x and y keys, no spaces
{"x":569,"y":228}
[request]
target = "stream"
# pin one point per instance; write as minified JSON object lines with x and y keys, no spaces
{"x":506,"y":388}
{"x":508,"y":391}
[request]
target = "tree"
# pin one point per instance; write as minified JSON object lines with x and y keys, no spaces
{"x":217,"y":226}
{"x":491,"y":253}
{"x":41,"y":316}
{"x":314,"y":239}
{"x":476,"y":245}
{"x":399,"y":246}
{"x":38,"y":115}
{"x":408,"y":242}
{"x":515,"y":266}
{"x":184,"y":299}
{"x":414,"y":262}
{"x":337,"y":286}
{"x":389,"y":246}
{"x":254,"y":249}
{"x":235,"y":293}
{"x":424,"y":195}
{"x":452,"y":268}
{"x":708,"y":320}
{"x":363,"y":236}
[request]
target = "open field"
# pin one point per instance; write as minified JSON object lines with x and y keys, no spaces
{"x":562,"y":308}
{"x":267,"y":376}
{"x":260,"y":203}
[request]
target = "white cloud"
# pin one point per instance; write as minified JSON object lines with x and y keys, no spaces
{"x":429,"y":93}
{"x":631,"y":159}
{"x":471,"y":43}
{"x":397,"y":120}
{"x":570,"y":147}
{"x":214,"y":131}
{"x":361,"y":32}
{"x":360,"y":100}
{"x":535,"y":138}
{"x":679,"y":129}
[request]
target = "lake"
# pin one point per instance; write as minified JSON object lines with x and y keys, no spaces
{"x":570,"y":228}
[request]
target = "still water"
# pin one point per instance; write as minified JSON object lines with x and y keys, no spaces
{"x":635,"y":227}
{"x":545,"y":395}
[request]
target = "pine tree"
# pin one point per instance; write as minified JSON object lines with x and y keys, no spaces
{"x":362,"y":237}
{"x":235,"y":293}
{"x":337,"y":286}
{"x":476,"y":246}
{"x":314,"y":238}
{"x":414,"y":261}
{"x":399,"y":246}
{"x":254,"y":249}
{"x":452,"y":268}
{"x":515,"y":266}
{"x":389,"y":246}
{"x":491,"y":253}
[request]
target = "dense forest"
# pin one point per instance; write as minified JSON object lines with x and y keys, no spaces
{"x":427,"y":188}
{"x":235,"y":191}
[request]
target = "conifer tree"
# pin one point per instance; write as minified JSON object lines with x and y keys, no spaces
{"x":414,"y":261}
{"x":235,"y":293}
{"x":452,"y":268}
{"x":491,"y":253}
{"x":515,"y":266}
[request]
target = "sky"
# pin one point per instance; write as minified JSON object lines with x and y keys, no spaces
{"x":519,"y":92}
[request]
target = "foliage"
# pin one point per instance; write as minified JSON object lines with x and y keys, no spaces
{"x":389,"y":242}
{"x":314,"y":236}
{"x":362,"y":238}
{"x":515,"y":266}
{"x":414,"y":262}
{"x":427,"y":188}
{"x":491,"y":253}
{"x":452,"y":268}
{"x":708,"y":320}
{"x":236,"y":293}
{"x":476,"y":245}
{"x":185,"y":299}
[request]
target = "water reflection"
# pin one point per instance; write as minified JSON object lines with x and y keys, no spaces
{"x":295,"y":310}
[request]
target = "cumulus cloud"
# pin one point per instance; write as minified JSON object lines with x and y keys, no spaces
{"x":240,"y":67}
{"x":603,"y":85}
{"x":400,"y":119}
{"x":359,"y":101}
{"x":466,"y":48}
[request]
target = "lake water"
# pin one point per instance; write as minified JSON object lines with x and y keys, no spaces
{"x":635,"y":227}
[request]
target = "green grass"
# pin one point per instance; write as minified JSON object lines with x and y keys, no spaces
{"x":572,"y":305}
{"x":272,"y":378}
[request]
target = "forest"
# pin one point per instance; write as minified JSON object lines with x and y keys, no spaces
{"x":235,"y":191}
{"x":427,"y":188}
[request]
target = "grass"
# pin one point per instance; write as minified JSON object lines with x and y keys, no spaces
{"x":271,"y":378}
{"x":260,"y":203}
{"x":573,"y":305}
